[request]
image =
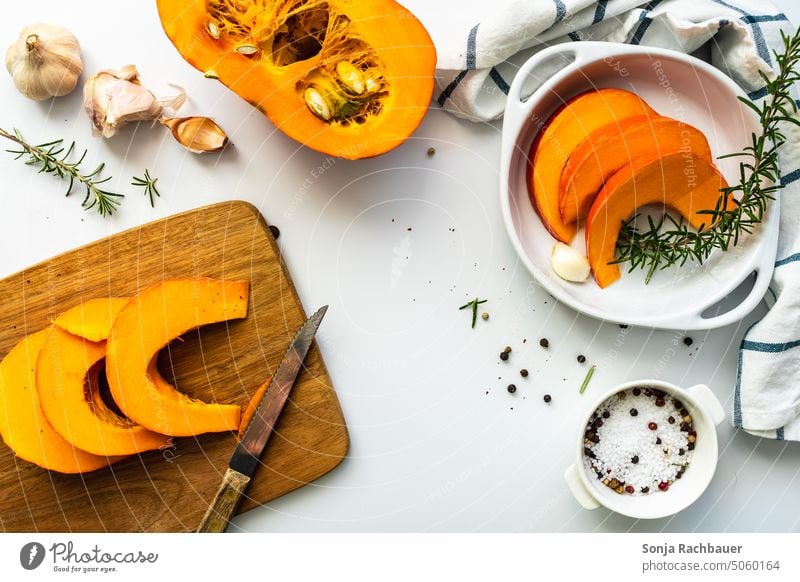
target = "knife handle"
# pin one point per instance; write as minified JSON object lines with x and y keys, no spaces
{"x":227,"y":498}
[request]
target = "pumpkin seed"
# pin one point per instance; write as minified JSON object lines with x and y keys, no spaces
{"x":211,"y":74}
{"x":247,"y":49}
{"x":317,"y":103}
{"x":213,"y":29}
{"x":350,"y":78}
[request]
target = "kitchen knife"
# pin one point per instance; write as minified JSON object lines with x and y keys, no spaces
{"x":246,"y":457}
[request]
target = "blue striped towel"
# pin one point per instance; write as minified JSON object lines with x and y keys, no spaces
{"x":477,"y":63}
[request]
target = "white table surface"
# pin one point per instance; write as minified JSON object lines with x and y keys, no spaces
{"x":431,"y":450}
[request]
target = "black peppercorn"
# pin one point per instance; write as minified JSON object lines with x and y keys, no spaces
{"x":658,"y":440}
{"x":523,"y":372}
{"x":275,"y":231}
{"x":660,"y":402}
{"x":547,"y":398}
{"x":581,"y":358}
{"x":543,"y":342}
{"x":645,"y":489}
{"x":635,"y":459}
{"x":606,"y":414}
{"x":504,"y":356}
{"x":634,"y":412}
{"x":671,"y":420}
{"x":690,"y":446}
{"x":637,"y":391}
{"x":688,"y":341}
{"x":512,"y":388}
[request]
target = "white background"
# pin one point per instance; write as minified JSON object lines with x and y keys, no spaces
{"x":431,"y":450}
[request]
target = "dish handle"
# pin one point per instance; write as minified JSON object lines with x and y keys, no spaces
{"x":709,"y":401}
{"x":578,"y":52}
{"x":579,"y":491}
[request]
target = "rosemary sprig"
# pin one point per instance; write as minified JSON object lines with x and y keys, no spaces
{"x":52,"y":158}
{"x":474,"y":304}
{"x":149,"y":185}
{"x":740,"y":207}
{"x":588,"y":377}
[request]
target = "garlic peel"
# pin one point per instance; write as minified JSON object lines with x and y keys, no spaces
{"x":113,"y":98}
{"x":197,"y":134}
{"x":45,"y":61}
{"x":569,"y":264}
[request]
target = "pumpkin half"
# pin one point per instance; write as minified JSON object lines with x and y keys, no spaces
{"x":349,"y":78}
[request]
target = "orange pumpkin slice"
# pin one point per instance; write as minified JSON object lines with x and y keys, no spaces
{"x":685,"y":182}
{"x":91,"y":319}
{"x":565,"y":130}
{"x":23,"y":424}
{"x":147,"y":324}
{"x":67,"y":380}
{"x":611,"y":147}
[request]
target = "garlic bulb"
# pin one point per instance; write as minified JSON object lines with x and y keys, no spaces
{"x":197,"y":134}
{"x":45,"y":61}
{"x":113,"y":98}
{"x":569,"y":264}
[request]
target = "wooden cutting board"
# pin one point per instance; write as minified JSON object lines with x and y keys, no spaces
{"x":169,"y":490}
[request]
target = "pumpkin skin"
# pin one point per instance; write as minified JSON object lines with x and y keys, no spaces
{"x":23,"y":425}
{"x":152,"y":319}
{"x":269,"y":53}
{"x":67,"y":381}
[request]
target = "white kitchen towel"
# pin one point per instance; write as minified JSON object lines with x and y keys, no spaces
{"x":477,"y":62}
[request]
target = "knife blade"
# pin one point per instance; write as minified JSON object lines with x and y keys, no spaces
{"x":248,"y":451}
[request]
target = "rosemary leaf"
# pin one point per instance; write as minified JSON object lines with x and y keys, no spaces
{"x":588,"y":377}
{"x":740,"y":207}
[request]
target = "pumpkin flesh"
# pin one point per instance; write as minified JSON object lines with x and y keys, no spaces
{"x":609,"y":148}
{"x":565,"y":130}
{"x":67,"y":381}
{"x":23,"y":424}
{"x":91,"y":319}
{"x":350,"y":78}
{"x":685,"y":183}
{"x":152,"y":319}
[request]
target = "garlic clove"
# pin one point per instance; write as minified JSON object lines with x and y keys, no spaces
{"x":45,"y":61}
{"x":569,"y":264}
{"x":114,"y":98}
{"x":196,"y":134}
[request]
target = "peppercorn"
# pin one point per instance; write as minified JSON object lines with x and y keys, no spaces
{"x":623,"y":326}
{"x":637,"y":391}
{"x":645,"y":489}
{"x":678,"y":404}
{"x":658,"y":440}
{"x":581,"y":358}
{"x":547,"y":398}
{"x":544,"y":343}
{"x":507,"y":349}
{"x":431,"y":152}
{"x":630,"y":489}
{"x":504,"y":356}
{"x":671,"y":420}
{"x":275,"y":231}
{"x":691,"y":439}
{"x":512,"y":388}
{"x":687,"y":419}
{"x":688,"y":341}
{"x":663,"y":486}
{"x":523,"y":372}
{"x":634,"y":412}
{"x":606,"y":414}
{"x":652,"y":426}
{"x":660,"y":402}
{"x":690,"y":446}
{"x":635,"y":459}
{"x":484,"y":316}
{"x":681,"y":452}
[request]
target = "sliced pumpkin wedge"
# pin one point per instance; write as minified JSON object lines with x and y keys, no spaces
{"x":68,"y":384}
{"x":23,"y":424}
{"x":567,"y":128}
{"x":91,"y":319}
{"x":613,"y":146}
{"x":152,"y":319}
{"x":685,"y":182}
